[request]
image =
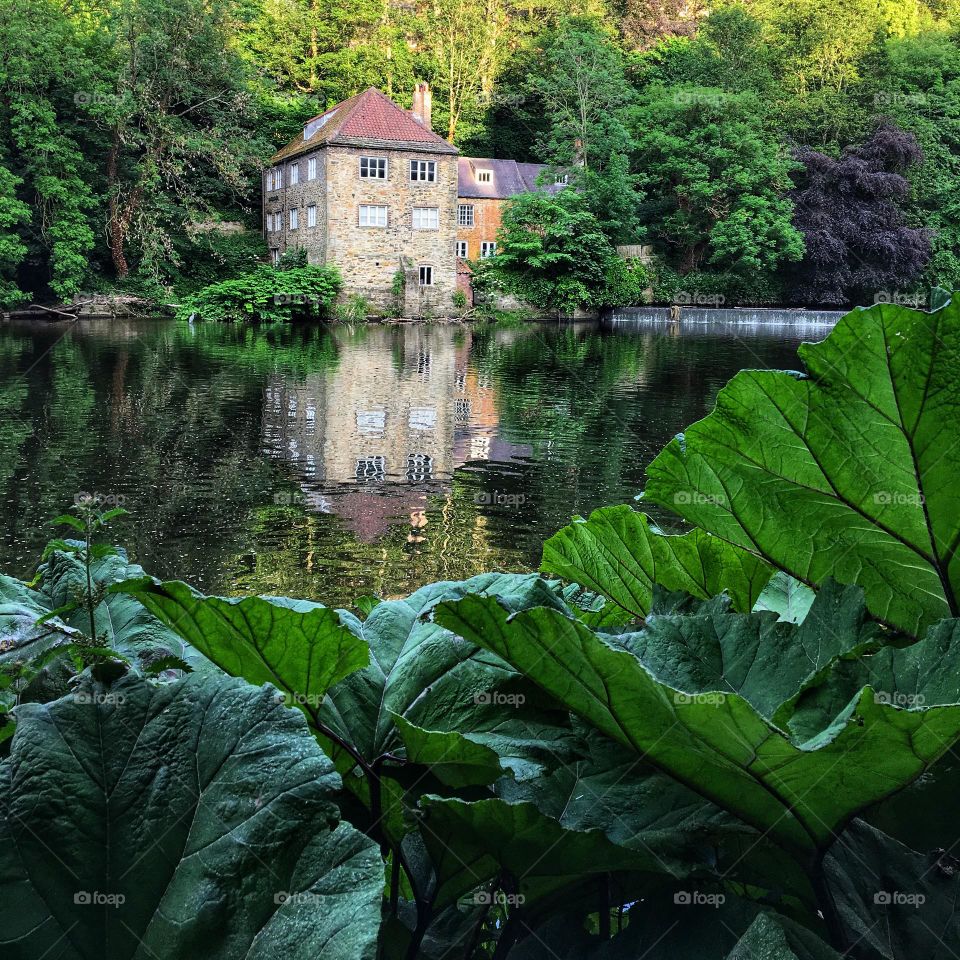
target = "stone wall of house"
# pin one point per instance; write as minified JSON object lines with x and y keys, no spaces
{"x":299,"y":196}
{"x":486,"y":223}
{"x":369,"y":257}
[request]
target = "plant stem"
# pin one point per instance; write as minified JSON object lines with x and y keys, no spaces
{"x":86,"y":558}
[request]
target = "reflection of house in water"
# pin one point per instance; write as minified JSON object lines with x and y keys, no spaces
{"x":370,"y":439}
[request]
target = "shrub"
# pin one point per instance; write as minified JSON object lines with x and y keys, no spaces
{"x":267,"y":294}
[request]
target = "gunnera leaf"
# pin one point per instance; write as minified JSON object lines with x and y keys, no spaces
{"x":189,"y":819}
{"x":848,"y":471}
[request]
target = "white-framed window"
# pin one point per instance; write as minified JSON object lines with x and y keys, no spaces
{"x":484,"y":176}
{"x":462,"y":249}
{"x":562,"y":179}
{"x":426,"y":275}
{"x":269,"y":223}
{"x":373,"y":168}
{"x":488,"y":248}
{"x":312,"y":168}
{"x":423,"y":171}
{"x":426,"y":218}
{"x":373,"y":215}
{"x":275,"y":256}
{"x":294,"y":173}
{"x":311,"y":215}
{"x":273,"y":179}
{"x":465,"y":215}
{"x":294,"y":218}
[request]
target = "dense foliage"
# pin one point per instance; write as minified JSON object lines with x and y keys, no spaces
{"x":132,"y":132}
{"x":266,"y":294}
{"x":710,"y":745}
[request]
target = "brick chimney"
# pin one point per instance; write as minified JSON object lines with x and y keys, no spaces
{"x":422,"y":102}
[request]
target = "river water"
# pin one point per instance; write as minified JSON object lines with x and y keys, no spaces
{"x":332,"y":462}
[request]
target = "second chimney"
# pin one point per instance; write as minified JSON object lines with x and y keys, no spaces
{"x":422,"y":102}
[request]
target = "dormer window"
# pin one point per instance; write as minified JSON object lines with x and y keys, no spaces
{"x":314,"y":125}
{"x":484,"y":176}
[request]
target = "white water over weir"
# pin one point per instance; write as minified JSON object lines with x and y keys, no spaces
{"x":726,"y":321}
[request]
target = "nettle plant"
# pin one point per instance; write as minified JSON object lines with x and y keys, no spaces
{"x":734,"y":742}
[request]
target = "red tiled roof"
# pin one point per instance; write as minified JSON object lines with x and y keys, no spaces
{"x":369,"y":119}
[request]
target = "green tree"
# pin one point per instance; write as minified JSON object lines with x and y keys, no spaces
{"x":715,"y":177}
{"x":553,"y":253}
{"x":13,"y":213}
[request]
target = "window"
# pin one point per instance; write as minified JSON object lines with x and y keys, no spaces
{"x":373,"y":215}
{"x":561,"y":179}
{"x":312,"y":168}
{"x":294,"y":219}
{"x":465,"y":215}
{"x":488,"y":248}
{"x":426,"y":218}
{"x":269,"y":222}
{"x":294,"y":174}
{"x":275,"y":256}
{"x":423,"y":171}
{"x":274,"y":180}
{"x":419,"y":467}
{"x":371,"y":470}
{"x":484,"y":176}
{"x":312,"y":215}
{"x":462,"y":249}
{"x":373,"y":168}
{"x":426,"y":276}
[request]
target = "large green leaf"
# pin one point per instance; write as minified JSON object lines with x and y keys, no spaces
{"x":925,"y":674}
{"x":122,"y":623}
{"x":718,"y":745}
{"x":893,"y":900}
{"x":616,"y":553}
{"x":849,"y":472}
{"x":300,"y":647}
{"x":20,"y":609}
{"x":778,"y":938}
{"x":190,"y":819}
{"x":763,"y":659}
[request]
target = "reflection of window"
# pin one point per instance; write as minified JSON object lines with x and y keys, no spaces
{"x":423,"y":365}
{"x":479,"y":448}
{"x":422,"y":418}
{"x":419,"y":467}
{"x":371,"y":422}
{"x":310,"y":467}
{"x":462,"y":414}
{"x":371,"y":470}
{"x":460,"y":381}
{"x":291,"y":408}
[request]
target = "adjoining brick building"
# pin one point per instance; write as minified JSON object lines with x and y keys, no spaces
{"x":369,"y":187}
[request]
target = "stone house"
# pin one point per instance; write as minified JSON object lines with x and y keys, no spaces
{"x":369,"y":187}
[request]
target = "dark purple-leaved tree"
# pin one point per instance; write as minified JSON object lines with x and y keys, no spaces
{"x":849,"y":212}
